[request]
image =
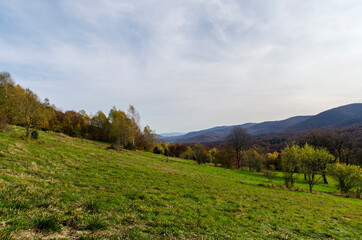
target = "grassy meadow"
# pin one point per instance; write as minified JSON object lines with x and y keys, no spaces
{"x":59,"y":187}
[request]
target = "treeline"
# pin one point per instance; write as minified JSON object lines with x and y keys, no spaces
{"x":22,"y":107}
{"x":314,"y":155}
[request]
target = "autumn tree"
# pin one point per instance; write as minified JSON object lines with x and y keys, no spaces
{"x":188,"y":154}
{"x":119,"y":129}
{"x":149,"y":138}
{"x":238,"y":138}
{"x":7,"y":105}
{"x":200,"y":153}
{"x":30,"y":111}
{"x":134,"y":117}
{"x":226,"y":157}
{"x":272,"y":160}
{"x":99,"y":127}
{"x":254,"y":159}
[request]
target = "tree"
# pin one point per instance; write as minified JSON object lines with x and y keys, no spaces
{"x":254,"y":159}
{"x":149,"y":138}
{"x":29,"y":109}
{"x":337,"y":143}
{"x":134,"y":117}
{"x":290,"y":163}
{"x":238,"y":139}
{"x":225,"y":157}
{"x":272,"y":160}
{"x":119,"y":129}
{"x":7,"y":110}
{"x":188,"y":154}
{"x":347,"y":176}
{"x":99,"y":127}
{"x":313,"y":162}
{"x":200,"y":153}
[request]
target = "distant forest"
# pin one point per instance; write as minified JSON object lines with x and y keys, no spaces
{"x":23,"y":107}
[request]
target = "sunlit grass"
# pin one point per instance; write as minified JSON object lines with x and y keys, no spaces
{"x":92,"y":192}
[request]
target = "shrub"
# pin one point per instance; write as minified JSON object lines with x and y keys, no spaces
{"x":47,"y":224}
{"x":347,"y":176}
{"x":34,"y":134}
{"x":269,"y":174}
{"x":130,"y":146}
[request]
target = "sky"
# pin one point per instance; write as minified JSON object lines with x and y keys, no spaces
{"x":187,"y":64}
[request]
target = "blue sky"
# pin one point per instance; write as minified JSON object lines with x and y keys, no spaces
{"x":187,"y":65}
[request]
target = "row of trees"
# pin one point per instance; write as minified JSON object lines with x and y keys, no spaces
{"x":314,"y":155}
{"x":21,"y":106}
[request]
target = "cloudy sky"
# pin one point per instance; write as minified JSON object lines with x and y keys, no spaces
{"x":187,"y":64}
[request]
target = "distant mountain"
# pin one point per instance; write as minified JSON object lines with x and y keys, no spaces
{"x":344,"y":116}
{"x":208,"y":135}
{"x":272,"y":127}
{"x":340,"y":117}
{"x":172,"y":134}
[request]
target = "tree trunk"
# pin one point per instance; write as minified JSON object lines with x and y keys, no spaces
{"x":324,"y":179}
{"x":27,"y":131}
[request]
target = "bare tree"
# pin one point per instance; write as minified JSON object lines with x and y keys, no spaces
{"x":238,"y":138}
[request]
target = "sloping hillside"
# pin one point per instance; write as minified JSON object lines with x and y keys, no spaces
{"x":344,"y":116}
{"x":341,"y":117}
{"x":61,"y":187}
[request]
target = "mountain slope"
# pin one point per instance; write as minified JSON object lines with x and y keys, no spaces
{"x":344,"y":116}
{"x":66,"y":188}
{"x":340,"y":117}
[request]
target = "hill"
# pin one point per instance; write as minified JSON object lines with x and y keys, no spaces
{"x":68,"y":188}
{"x":341,"y":117}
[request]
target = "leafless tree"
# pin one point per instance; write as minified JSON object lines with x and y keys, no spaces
{"x":238,"y":138}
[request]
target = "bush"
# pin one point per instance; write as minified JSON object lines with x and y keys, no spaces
{"x":269,"y":174}
{"x":130,"y":146}
{"x":347,"y":176}
{"x":34,"y":134}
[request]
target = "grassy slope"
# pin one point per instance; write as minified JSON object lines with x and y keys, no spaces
{"x":142,"y":195}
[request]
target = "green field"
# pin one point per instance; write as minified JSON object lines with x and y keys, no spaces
{"x":65,"y":188}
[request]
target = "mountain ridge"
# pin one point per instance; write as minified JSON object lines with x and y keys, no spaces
{"x":339,"y":117}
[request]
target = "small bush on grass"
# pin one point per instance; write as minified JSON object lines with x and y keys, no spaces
{"x":96,"y":223}
{"x":47,"y":224}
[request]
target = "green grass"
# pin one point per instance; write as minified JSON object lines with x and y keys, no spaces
{"x":95,"y":193}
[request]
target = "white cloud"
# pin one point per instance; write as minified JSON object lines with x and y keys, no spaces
{"x":187,"y":65}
